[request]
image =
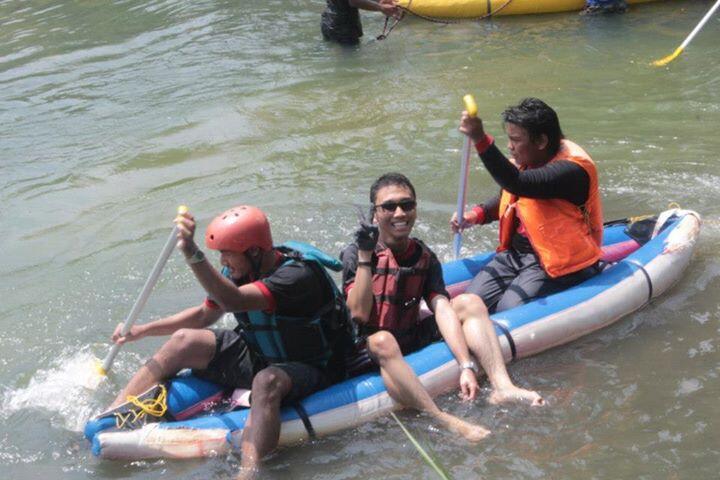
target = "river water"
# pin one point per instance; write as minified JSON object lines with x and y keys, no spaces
{"x":113,"y":113}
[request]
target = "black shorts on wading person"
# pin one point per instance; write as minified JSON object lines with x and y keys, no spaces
{"x":341,"y":23}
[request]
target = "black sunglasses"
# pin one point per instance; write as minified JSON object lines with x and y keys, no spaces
{"x":405,"y":205}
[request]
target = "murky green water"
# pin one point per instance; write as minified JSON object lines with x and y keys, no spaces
{"x":112,"y":114}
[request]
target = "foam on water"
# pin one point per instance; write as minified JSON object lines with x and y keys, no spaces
{"x":66,"y":389}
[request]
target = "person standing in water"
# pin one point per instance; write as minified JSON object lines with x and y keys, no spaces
{"x":341,"y":18}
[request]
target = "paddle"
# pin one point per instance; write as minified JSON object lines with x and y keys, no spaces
{"x":471,"y":108}
{"x":678,"y":51}
{"x":144,"y":294}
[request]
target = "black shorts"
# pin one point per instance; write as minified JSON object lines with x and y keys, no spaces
{"x":512,"y":279}
{"x":234,"y":365}
{"x":424,"y":333}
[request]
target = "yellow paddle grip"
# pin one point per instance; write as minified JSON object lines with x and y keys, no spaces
{"x":470,"y":105}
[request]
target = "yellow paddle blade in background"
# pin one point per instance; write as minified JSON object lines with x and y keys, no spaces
{"x":664,"y":61}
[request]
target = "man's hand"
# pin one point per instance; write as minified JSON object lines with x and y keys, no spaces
{"x":133,"y":334}
{"x":186,"y":232}
{"x":366,"y":236}
{"x":468,"y":385}
{"x":469,"y":220}
{"x":472,"y":127}
{"x":389,"y":8}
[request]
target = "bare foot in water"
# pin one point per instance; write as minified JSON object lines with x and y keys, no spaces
{"x":469,"y":431}
{"x":516,"y":394}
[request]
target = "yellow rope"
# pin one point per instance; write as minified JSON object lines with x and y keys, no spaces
{"x":638,"y":218}
{"x":155,"y":407}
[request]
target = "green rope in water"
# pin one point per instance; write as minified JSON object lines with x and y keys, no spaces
{"x":426,"y":456}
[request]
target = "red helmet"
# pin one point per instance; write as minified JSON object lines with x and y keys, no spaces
{"x":238,"y":229}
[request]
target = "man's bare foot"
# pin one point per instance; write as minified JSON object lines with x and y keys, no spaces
{"x":516,"y":394}
{"x":469,"y":431}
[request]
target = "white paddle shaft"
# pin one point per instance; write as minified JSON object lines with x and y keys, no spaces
{"x":699,"y":25}
{"x":144,"y":294}
{"x":462,"y":189}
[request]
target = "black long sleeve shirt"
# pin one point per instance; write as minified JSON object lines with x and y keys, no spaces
{"x":560,"y":179}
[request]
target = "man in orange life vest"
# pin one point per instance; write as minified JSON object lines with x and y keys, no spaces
{"x":386,"y":274}
{"x":548,"y":207}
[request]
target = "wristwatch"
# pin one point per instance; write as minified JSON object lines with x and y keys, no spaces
{"x":471,"y":365}
{"x":196,"y":257}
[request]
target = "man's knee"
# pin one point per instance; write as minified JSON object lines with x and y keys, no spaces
{"x":186,"y":348}
{"x":383,"y":345}
{"x":184,"y":340}
{"x":270,"y":385}
{"x":469,"y":305}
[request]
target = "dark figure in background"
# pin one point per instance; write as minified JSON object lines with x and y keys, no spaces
{"x":341,"y":18}
{"x":605,"y":6}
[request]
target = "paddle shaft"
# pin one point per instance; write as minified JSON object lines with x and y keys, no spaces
{"x":679,"y":50}
{"x":699,"y":25}
{"x":471,"y":109}
{"x":462,"y":191}
{"x":144,"y":294}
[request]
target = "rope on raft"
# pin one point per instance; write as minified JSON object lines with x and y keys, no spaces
{"x":446,"y":21}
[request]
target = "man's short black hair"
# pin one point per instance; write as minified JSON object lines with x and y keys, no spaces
{"x":537,"y":118}
{"x":390,"y":179}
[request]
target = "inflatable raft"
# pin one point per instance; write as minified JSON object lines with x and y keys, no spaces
{"x":478,"y":9}
{"x":634,"y":276}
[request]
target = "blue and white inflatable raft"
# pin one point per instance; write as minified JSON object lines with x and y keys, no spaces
{"x":638,"y":274}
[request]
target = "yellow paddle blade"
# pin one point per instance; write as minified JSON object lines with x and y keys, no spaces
{"x":99,"y":368}
{"x":470,"y":105}
{"x":182,"y":209}
{"x":664,"y":61}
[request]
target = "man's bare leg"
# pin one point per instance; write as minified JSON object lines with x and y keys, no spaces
{"x":262,"y":428}
{"x":404,"y":386}
{"x":186,"y":348}
{"x":483,"y":343}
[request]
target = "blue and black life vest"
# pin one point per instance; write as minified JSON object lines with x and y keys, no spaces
{"x":314,"y":340}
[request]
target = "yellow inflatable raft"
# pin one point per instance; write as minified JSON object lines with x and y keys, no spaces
{"x":487,"y":8}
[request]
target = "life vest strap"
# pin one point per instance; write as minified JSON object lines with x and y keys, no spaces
{"x":397,"y":300}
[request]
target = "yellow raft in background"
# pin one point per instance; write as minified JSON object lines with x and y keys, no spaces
{"x":487,"y":8}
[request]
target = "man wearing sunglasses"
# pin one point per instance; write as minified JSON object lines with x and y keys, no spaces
{"x":386,"y":274}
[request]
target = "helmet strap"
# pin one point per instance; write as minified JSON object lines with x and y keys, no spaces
{"x":255,"y":263}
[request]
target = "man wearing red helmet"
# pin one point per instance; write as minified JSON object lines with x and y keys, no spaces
{"x":281,"y":299}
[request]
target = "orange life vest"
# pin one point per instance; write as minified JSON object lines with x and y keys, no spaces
{"x":565,"y":237}
{"x":397,"y":290}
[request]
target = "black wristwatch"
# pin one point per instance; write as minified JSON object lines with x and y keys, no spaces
{"x":196,"y":257}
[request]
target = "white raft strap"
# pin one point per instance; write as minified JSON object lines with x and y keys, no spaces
{"x":302,"y":413}
{"x":641,"y":267}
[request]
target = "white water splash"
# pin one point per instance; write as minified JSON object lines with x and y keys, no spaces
{"x":67,"y":389}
